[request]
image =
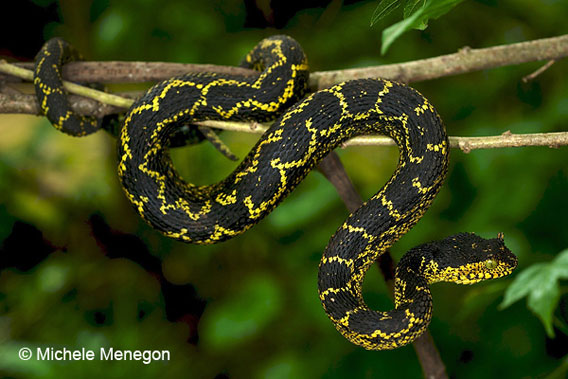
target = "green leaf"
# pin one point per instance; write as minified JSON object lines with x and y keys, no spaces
{"x":391,"y":33}
{"x":435,"y":9}
{"x":561,"y":263}
{"x":411,"y":6}
{"x":539,"y":283}
{"x":523,"y":284}
{"x":384,"y":8}
{"x":418,"y":19}
{"x":544,"y":298}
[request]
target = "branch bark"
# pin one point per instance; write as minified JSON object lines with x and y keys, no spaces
{"x":466,"y":60}
{"x":130,"y":72}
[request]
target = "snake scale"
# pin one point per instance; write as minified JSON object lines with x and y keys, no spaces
{"x":304,"y":132}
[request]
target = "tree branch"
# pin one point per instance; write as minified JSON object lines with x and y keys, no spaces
{"x":21,"y":103}
{"x":129,"y":72}
{"x":16,"y":102}
{"x":466,"y":144}
{"x":103,"y":97}
{"x":466,"y":60}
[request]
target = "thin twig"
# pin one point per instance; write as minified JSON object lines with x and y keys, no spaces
{"x":21,"y":103}
{"x":467,"y":144}
{"x":333,"y":170}
{"x":542,"y":69}
{"x":73,"y":88}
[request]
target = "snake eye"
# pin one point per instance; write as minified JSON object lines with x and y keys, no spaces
{"x":490,"y":264}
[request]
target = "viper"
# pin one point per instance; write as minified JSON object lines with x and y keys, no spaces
{"x":305,"y":130}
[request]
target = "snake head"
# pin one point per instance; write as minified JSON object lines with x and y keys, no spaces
{"x":466,"y":258}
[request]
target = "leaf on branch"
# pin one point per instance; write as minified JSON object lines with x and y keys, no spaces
{"x":411,"y":6}
{"x":384,"y":8}
{"x":416,"y":15}
{"x":539,"y":283}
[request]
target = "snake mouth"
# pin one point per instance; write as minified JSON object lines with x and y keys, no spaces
{"x":507,"y":262}
{"x":479,"y":278}
{"x":511,"y":261}
{"x":468,"y":281}
{"x":494,"y":267}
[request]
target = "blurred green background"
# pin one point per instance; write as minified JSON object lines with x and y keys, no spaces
{"x":80,"y":269}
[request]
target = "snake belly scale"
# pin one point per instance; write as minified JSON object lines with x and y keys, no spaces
{"x":303,"y":134}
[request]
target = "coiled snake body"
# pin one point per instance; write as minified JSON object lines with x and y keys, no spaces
{"x":284,"y":155}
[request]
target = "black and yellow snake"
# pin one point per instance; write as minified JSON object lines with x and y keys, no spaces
{"x":304,"y":133}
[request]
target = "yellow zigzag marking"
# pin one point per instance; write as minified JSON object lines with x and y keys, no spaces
{"x":358,"y":229}
{"x":323,"y":294}
{"x":392,"y":211}
{"x":345,"y":319}
{"x":275,"y":136}
{"x":174,"y":83}
{"x":256,"y":211}
{"x":335,"y":258}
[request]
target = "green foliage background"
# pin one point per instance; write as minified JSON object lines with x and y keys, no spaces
{"x":262,"y":316}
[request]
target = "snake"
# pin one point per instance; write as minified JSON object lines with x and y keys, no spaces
{"x":304,"y":130}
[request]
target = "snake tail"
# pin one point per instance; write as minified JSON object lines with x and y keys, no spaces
{"x":52,"y":98}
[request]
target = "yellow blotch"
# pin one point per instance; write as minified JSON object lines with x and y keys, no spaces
{"x":226,"y":199}
{"x":437,"y":147}
{"x":416,"y":183}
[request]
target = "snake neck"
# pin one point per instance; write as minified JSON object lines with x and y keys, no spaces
{"x":411,"y":285}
